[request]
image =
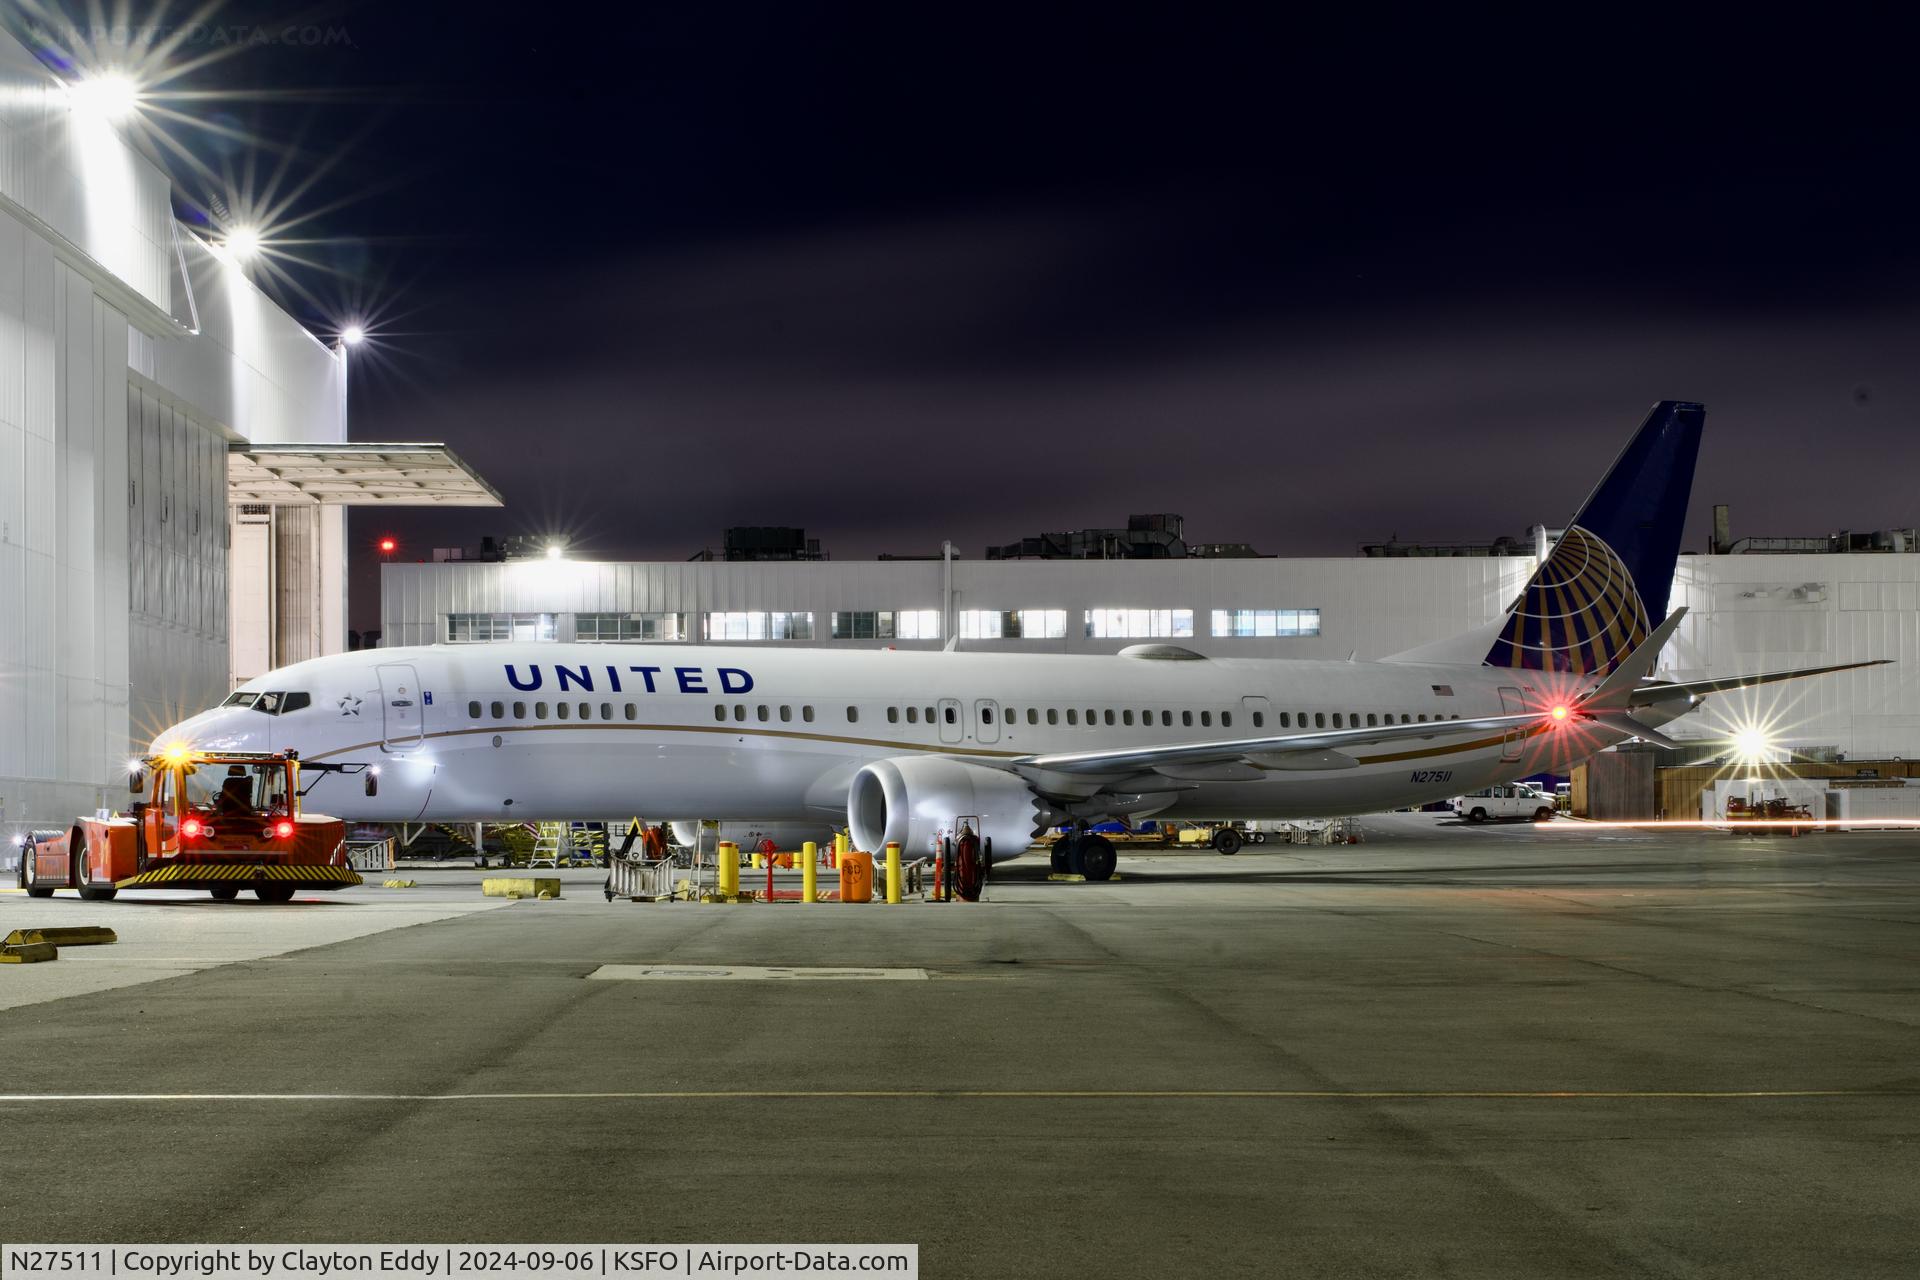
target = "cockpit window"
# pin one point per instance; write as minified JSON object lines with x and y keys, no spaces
{"x":273,"y":704}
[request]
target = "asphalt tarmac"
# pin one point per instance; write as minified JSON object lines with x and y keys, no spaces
{"x":1449,"y":1050}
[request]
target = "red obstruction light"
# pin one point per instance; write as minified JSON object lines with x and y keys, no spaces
{"x":190,"y":828}
{"x":283,"y":829}
{"x":388,"y":546}
{"x":1560,"y":712}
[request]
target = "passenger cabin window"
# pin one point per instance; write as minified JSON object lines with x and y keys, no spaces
{"x":1186,"y":719}
{"x":986,"y":715}
{"x":1126,"y":716}
{"x":539,"y":711}
{"x":606,"y":711}
{"x":473,"y":711}
{"x":1226,"y":719}
{"x":560,"y":710}
{"x":1109,"y":715}
{"x":519,"y":711}
{"x":720,"y":713}
{"x":786,"y":714}
{"x":1033,"y":715}
{"x":762,"y":712}
{"x":1053,"y":716}
{"x":499,"y":710}
{"x":1073,"y":716}
{"x":633,"y":712}
{"x":739,"y":712}
{"x":1166,"y":719}
{"x":952,"y":718}
{"x":806,"y":713}
{"x":586,"y":711}
{"x":1319,"y":719}
{"x":853,"y":715}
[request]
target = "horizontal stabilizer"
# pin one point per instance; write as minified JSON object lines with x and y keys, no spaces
{"x":1636,"y":666}
{"x":1621,"y":722}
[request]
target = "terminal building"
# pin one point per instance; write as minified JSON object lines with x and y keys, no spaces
{"x":173,"y":459}
{"x":1750,"y":609}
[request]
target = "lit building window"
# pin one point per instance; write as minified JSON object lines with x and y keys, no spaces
{"x":1242,"y":623}
{"x":490,"y":628}
{"x":1013,"y":624}
{"x":886,"y":624}
{"x":759,"y":625}
{"x":1139,"y":624}
{"x":609,"y":628}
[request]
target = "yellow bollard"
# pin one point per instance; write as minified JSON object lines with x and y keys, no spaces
{"x":842,"y":845}
{"x":727,"y":869}
{"x":810,"y":872}
{"x":893,"y":871}
{"x":756,"y":860}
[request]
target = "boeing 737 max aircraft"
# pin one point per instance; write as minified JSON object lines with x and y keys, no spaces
{"x":904,"y":744}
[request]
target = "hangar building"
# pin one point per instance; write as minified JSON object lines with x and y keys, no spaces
{"x":173,"y":464}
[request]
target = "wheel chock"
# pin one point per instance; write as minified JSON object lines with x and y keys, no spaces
{"x":88,"y":935}
{"x":27,"y":952}
{"x":520,"y":887}
{"x":400,"y":884}
{"x":1070,"y":878}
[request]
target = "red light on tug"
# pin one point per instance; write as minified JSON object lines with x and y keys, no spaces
{"x":283,"y":829}
{"x":191,"y":828}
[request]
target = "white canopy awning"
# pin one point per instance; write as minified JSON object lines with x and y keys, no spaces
{"x":355,"y":475}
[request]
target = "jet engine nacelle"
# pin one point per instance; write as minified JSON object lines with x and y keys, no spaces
{"x":915,"y":799}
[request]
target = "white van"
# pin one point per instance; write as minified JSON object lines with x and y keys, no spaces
{"x":1508,"y":800}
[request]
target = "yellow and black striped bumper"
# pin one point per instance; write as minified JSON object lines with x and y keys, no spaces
{"x":206,"y":875}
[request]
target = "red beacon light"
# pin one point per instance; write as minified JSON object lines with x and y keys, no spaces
{"x":191,"y":828}
{"x":1560,"y":712}
{"x":388,"y":546}
{"x":283,"y":828}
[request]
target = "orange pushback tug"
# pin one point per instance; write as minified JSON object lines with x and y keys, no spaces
{"x":222,"y":821}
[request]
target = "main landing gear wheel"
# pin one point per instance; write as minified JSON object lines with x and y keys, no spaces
{"x":273,"y":891}
{"x":1226,"y":840}
{"x":90,"y":889}
{"x":225,"y":892}
{"x":1096,"y":858}
{"x":1062,"y":854}
{"x":30,"y":875}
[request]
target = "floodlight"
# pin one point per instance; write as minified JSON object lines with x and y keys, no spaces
{"x":353,"y":335}
{"x":242,"y":243}
{"x":555,"y":550}
{"x":105,"y":95}
{"x":1752,"y":744}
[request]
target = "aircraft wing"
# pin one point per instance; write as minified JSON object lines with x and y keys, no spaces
{"x":1648,"y":695}
{"x":1321,"y":749}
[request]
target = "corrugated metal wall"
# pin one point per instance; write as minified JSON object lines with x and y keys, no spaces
{"x":178,"y":557}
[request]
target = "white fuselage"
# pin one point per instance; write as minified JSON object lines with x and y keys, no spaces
{"x":519,"y":731}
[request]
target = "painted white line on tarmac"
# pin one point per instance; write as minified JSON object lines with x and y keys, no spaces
{"x":916,"y":1095}
{"x":749,"y":973}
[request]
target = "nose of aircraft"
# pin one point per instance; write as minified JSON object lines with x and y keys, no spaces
{"x":221,"y":729}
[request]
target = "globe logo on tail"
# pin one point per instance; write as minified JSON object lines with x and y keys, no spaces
{"x":1580,"y":612}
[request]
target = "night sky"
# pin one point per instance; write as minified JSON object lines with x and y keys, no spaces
{"x":917,"y":271}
